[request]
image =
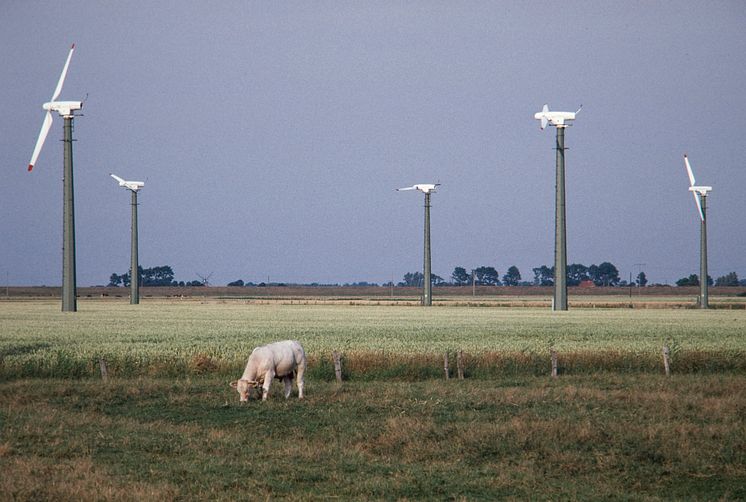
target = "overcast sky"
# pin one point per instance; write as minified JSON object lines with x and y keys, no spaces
{"x":271,"y":135}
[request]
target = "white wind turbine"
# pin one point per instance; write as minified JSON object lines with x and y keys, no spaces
{"x":427,"y":189}
{"x":66,"y":109}
{"x":558,"y":119}
{"x":700,"y":198}
{"x":133,"y":186}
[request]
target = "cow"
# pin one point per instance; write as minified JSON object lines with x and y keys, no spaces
{"x":282,"y":360}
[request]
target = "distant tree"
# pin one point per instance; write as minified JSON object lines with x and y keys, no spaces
{"x":195,"y":284}
{"x":605,"y":274}
{"x":487,"y":276}
{"x":543,"y":276}
{"x":125,"y":279}
{"x":512,"y":277}
{"x":155,"y":276}
{"x":414,"y":279}
{"x":692,"y":280}
{"x":642,"y":279}
{"x":437,"y":280}
{"x":576,"y":273}
{"x":236,"y":283}
{"x":460,"y":276}
{"x":730,"y":279}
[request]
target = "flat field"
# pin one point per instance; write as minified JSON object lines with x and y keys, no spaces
{"x":165,"y":425}
{"x":167,"y":338}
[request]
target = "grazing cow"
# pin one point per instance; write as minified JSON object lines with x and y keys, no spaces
{"x":282,"y":360}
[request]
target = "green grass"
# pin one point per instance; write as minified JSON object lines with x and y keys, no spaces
{"x":161,"y":338}
{"x":628,"y":437}
{"x":166,"y":426}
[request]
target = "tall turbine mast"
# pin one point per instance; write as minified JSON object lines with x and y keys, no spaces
{"x":557,"y":119}
{"x":66,"y":110}
{"x":700,"y":198}
{"x":427,"y":286}
{"x":133,"y":186}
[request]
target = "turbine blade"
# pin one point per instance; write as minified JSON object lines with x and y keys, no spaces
{"x":120,"y":180}
{"x":699,"y":206}
{"x":407,"y":188}
{"x":40,"y":141}
{"x":58,"y":89}
{"x":689,"y":171}
{"x":544,"y":121}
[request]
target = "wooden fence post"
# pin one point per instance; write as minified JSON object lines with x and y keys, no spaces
{"x":554,"y":363}
{"x":460,"y":364}
{"x":102,"y":367}
{"x":445,"y":365}
{"x":337,"y":366}
{"x":666,"y":361}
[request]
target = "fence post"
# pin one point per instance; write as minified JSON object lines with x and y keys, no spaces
{"x":445,"y":365}
{"x":102,"y":367}
{"x":460,"y":364}
{"x":554,"y":363}
{"x":666,"y":359}
{"x":337,"y":366}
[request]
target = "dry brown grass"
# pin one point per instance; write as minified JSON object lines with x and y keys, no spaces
{"x":598,"y":436}
{"x":36,"y":478}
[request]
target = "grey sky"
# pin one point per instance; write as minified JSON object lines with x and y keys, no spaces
{"x":271,"y":136}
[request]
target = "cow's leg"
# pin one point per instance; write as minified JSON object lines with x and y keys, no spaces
{"x":268,"y":377}
{"x":288,"y":381}
{"x":299,"y":379}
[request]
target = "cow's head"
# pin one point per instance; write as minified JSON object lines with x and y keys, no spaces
{"x":244,"y":388}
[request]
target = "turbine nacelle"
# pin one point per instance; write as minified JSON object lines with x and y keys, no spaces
{"x":129,"y":185}
{"x":422,"y":187}
{"x":64,"y":108}
{"x":556,"y":119}
{"x":701,"y":190}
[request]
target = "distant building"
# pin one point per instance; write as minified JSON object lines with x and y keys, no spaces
{"x":587,"y":284}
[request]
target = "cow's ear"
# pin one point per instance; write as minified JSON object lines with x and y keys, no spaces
{"x":234,"y":384}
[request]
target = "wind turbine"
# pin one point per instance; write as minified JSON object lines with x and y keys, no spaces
{"x":66,"y":110}
{"x":558,"y":119}
{"x":427,"y":189}
{"x":133,"y":186}
{"x":700,"y":198}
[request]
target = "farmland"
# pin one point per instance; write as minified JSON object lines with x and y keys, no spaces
{"x":165,"y":424}
{"x":162,"y":338}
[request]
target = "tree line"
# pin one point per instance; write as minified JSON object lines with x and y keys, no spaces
{"x":729,"y":279}
{"x":154,"y":276}
{"x":604,"y":274}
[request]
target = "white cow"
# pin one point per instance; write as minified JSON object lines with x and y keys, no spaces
{"x":282,"y":360}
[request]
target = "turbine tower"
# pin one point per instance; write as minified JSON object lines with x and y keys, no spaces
{"x":700,"y":198}
{"x":557,"y":119}
{"x":427,"y":286}
{"x":66,"y":110}
{"x":133,"y":186}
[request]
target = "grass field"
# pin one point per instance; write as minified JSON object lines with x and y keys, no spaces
{"x":598,"y":437}
{"x":165,"y":425}
{"x":162,"y":338}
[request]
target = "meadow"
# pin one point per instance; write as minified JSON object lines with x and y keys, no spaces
{"x":165,"y":425}
{"x":168,"y":338}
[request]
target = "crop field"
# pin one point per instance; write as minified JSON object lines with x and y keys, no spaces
{"x":165,"y":425}
{"x":162,"y":338}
